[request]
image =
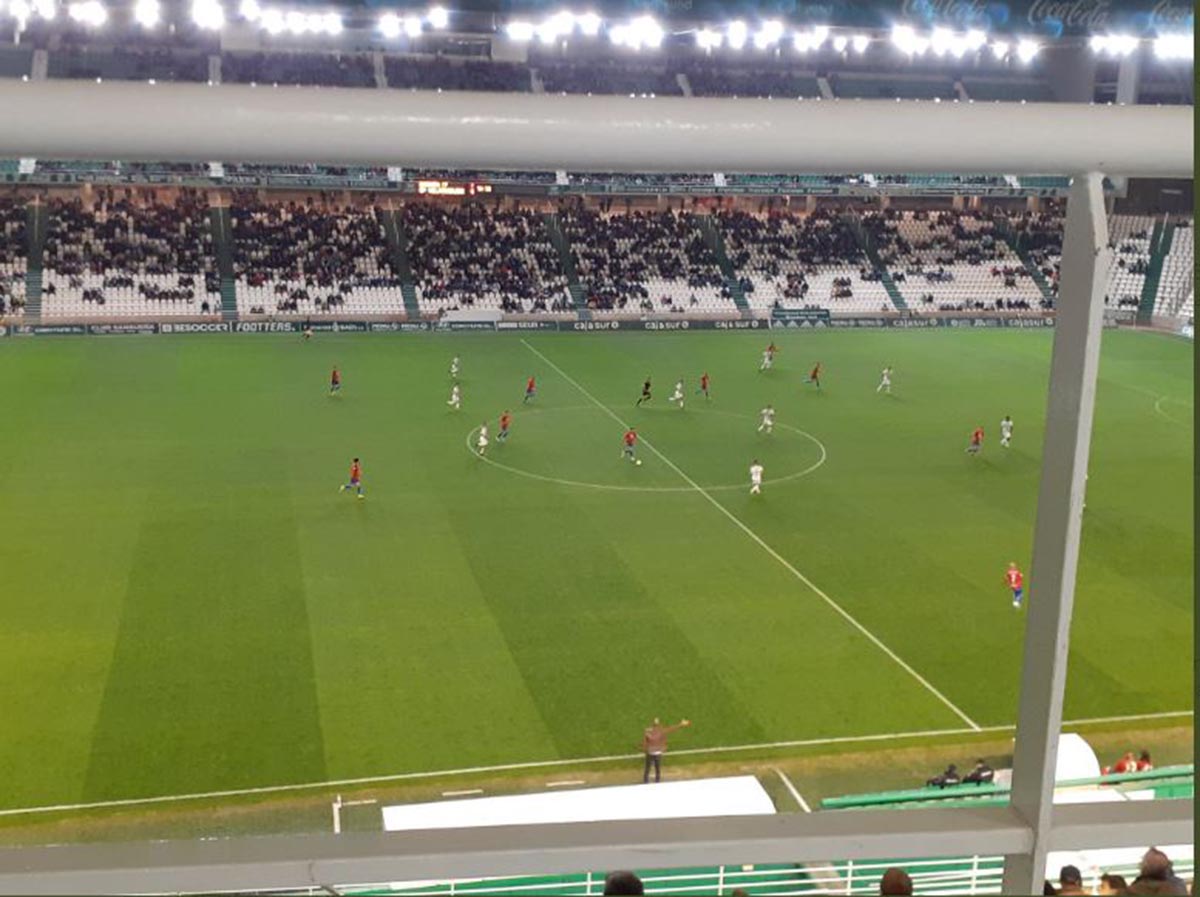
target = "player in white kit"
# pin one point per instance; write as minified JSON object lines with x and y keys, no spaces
{"x":1006,"y":426}
{"x":455,"y":397}
{"x":756,"y":475}
{"x":768,"y":419}
{"x":454,"y":366}
{"x":482,"y":442}
{"x":767,"y":361}
{"x":885,"y":381}
{"x":677,"y":396}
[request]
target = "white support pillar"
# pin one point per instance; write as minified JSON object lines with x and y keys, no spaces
{"x":1069,"y":406}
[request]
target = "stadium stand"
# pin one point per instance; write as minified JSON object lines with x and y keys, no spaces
{"x":12,"y":256}
{"x":128,"y":63}
{"x":1176,"y":287}
{"x":794,"y":261}
{"x":440,"y":73}
{"x":946,"y":261}
{"x":647,"y":261}
{"x":122,"y":257}
{"x":713,"y":80}
{"x":608,"y":78}
{"x":340,"y":70}
{"x":1129,"y":237}
{"x":301,"y":258}
{"x":475,"y":256}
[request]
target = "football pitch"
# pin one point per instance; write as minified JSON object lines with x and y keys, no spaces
{"x":189,"y":604}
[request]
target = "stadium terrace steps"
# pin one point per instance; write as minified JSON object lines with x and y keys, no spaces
{"x":222,"y":233}
{"x":712,"y":236}
{"x":868,"y":246}
{"x":1160,"y":246}
{"x":1030,"y":265}
{"x":37,"y":223}
{"x":567,"y":259}
{"x":398,"y":244}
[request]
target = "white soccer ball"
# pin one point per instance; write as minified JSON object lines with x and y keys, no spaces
{"x":639,"y":462}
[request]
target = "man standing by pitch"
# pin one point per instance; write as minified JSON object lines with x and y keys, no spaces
{"x":654,"y":745}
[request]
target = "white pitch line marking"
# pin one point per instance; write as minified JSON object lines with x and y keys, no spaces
{"x":792,"y":788}
{"x":551,"y":764}
{"x":567,"y":784}
{"x":767,"y":548}
{"x":464,"y":793}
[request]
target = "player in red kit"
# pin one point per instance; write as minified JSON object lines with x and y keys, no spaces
{"x":815,"y":376}
{"x":335,"y":381}
{"x":630,"y":449}
{"x":976,"y":441}
{"x":355,"y":479}
{"x":530,"y":388}
{"x":1016,"y":582}
{"x":505,"y":420}
{"x":704,"y":385}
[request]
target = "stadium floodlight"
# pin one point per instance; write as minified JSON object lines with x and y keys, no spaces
{"x":548,"y":32}
{"x":88,"y":12}
{"x":802,"y":41}
{"x":20,"y":11}
{"x":860,"y":42}
{"x":1000,"y":49}
{"x":1174,"y":46}
{"x":250,"y":10}
{"x":736,"y":33}
{"x":208,"y":14}
{"x":908,"y":41}
{"x":589,"y":23}
{"x":820,"y":34}
{"x":296,"y":21}
{"x":331,"y":23}
{"x":644,"y":31}
{"x":412,"y":26}
{"x":840,"y":43}
{"x":389,"y":25}
{"x":437,"y":17}
{"x":146,"y":13}
{"x":768,"y":34}
{"x":707,"y":39}
{"x":975,"y":39}
{"x":519,"y":31}
{"x":940,"y":40}
{"x":1122,"y":44}
{"x":1027,"y":49}
{"x":45,"y":9}
{"x":272,"y":21}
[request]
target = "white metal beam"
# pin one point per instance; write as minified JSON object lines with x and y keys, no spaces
{"x":1051,"y":590}
{"x":168,"y":122}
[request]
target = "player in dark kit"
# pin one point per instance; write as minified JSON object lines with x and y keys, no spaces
{"x":355,"y":479}
{"x":815,"y":376}
{"x":645,"y":393}
{"x":335,"y":381}
{"x":704,"y":385}
{"x":505,"y":420}
{"x":530,"y":388}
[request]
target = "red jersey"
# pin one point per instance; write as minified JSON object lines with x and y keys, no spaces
{"x":355,"y":472}
{"x":816,"y":372}
{"x":630,"y":437}
{"x":504,"y":421}
{"x":1014,"y":578}
{"x":335,"y":377}
{"x":977,"y":436}
{"x":771,"y":350}
{"x":704,"y":381}
{"x":529,"y":385}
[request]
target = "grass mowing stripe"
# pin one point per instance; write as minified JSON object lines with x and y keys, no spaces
{"x":550,"y":764}
{"x":771,"y":551}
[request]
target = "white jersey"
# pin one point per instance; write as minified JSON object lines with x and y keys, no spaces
{"x":886,"y":376}
{"x":454,"y":366}
{"x":756,"y":474}
{"x":768,"y":416}
{"x":455,"y":396}
{"x":1006,"y":428}
{"x":483,"y":436}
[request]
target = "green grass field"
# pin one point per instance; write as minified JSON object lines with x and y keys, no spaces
{"x":188,"y":603}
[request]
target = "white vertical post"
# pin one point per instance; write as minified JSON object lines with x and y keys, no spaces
{"x":721,"y":879}
{"x":975,"y":874}
{"x":337,"y":815}
{"x":849,"y":876}
{"x":587,"y":885}
{"x":1069,"y":406}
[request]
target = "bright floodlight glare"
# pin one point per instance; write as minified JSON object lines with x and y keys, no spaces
{"x":840,"y":43}
{"x":45,"y":9}
{"x":548,"y":32}
{"x":412,"y":26}
{"x":250,"y":10}
{"x":589,"y":24}
{"x":1098,"y":43}
{"x":820,"y":34}
{"x":146,"y":13}
{"x":437,"y":17}
{"x":975,"y":39}
{"x":1174,"y":46}
{"x":88,"y":12}
{"x":519,"y":31}
{"x":735,"y":33}
{"x":903,"y":37}
{"x":707,"y":39}
{"x":389,"y":25}
{"x":1027,"y":49}
{"x":272,"y":21}
{"x":20,"y":11}
{"x":297,"y":22}
{"x":768,"y":34}
{"x":208,"y":14}
{"x":1000,"y":49}
{"x":940,"y":41}
{"x":332,"y":23}
{"x":860,"y":43}
{"x":1122,"y":44}
{"x":646,"y":32}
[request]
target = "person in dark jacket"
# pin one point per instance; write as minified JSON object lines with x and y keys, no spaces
{"x":1157,"y":876}
{"x":982,"y":774}
{"x":949,"y":777}
{"x":654,"y":745}
{"x":623,"y":882}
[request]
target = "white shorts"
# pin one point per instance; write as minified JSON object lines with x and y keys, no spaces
{"x":483,"y":443}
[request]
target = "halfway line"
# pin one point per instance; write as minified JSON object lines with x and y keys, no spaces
{"x":767,"y":548}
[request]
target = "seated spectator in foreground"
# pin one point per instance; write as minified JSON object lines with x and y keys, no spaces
{"x":896,"y":882}
{"x":1112,"y":884}
{"x":1157,"y":876}
{"x":1070,"y":881}
{"x":982,"y":774}
{"x":623,"y":882}
{"x":1128,"y":763}
{"x":1143,"y":762}
{"x":949,"y":777}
